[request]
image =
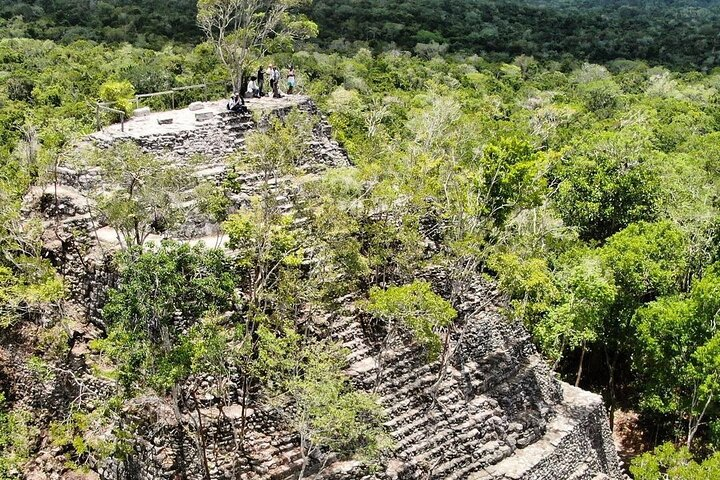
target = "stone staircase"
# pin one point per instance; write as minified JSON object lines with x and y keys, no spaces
{"x":496,"y":396}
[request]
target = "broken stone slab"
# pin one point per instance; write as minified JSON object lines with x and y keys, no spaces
{"x":141,"y":112}
{"x":164,"y":121}
{"x":203,"y":116}
{"x":194,"y":106}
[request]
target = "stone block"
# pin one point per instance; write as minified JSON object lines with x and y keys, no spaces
{"x":141,"y":112}
{"x":203,"y":116}
{"x":194,"y":106}
{"x":165,"y":121}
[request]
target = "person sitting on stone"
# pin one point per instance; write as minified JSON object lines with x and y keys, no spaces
{"x":253,"y":91}
{"x":237,"y":104}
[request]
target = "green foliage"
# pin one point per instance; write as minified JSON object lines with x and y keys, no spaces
{"x":159,"y":290}
{"x":589,"y":191}
{"x":327,"y":411}
{"x":29,"y":287}
{"x":416,"y":308}
{"x":243,"y":32}
{"x":213,"y":202}
{"x":512,"y":175}
{"x":587,"y":299}
{"x":119,"y":94}
{"x":667,"y":333}
{"x":17,"y":434}
{"x":150,"y":25}
{"x":679,"y":354}
{"x":529,"y":283}
{"x":85,"y":436}
{"x":149,"y":194}
{"x":668,"y":33}
{"x":330,"y":412}
{"x":276,"y":149}
{"x":607,"y":183}
{"x":647,"y":260}
{"x":671,"y":463}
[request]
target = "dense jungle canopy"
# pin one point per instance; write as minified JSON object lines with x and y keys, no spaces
{"x":681,"y":34}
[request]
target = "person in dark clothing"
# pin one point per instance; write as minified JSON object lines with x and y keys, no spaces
{"x":260,"y":81}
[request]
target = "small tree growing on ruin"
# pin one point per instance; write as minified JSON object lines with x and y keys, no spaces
{"x":266,"y":241}
{"x":327,"y":412}
{"x":141,"y":193}
{"x":162,"y":293}
{"x":412,"y":308}
{"x":243,"y":31}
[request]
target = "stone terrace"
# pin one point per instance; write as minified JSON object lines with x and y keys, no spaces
{"x":186,"y":119}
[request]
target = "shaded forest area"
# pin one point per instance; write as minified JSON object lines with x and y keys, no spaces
{"x":681,"y":34}
{"x":147,"y":24}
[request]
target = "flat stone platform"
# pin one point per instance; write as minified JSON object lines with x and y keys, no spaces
{"x":185,"y":119}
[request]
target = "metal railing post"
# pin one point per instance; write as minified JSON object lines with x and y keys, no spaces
{"x":97,"y":116}
{"x":122,"y":122}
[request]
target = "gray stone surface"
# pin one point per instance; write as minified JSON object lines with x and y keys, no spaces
{"x":203,"y":116}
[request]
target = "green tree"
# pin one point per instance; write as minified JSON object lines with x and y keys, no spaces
{"x":671,"y":463}
{"x":119,"y":94}
{"x":588,"y":296}
{"x":242,"y":31}
{"x":606,"y":184}
{"x":158,"y":291}
{"x":147,"y":192}
{"x":17,"y":434}
{"x":161,"y":292}
{"x":413,"y":308}
{"x":326,"y":412}
{"x":647,"y":261}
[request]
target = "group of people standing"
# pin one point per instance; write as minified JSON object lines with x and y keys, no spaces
{"x":256,"y":87}
{"x":256,"y":84}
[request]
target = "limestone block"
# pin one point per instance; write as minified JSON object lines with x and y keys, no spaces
{"x":165,"y":121}
{"x":141,"y":112}
{"x":194,"y":106}
{"x":203,"y":116}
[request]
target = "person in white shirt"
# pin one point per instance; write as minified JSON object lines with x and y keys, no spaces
{"x":253,"y":90}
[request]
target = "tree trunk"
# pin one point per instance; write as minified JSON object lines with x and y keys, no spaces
{"x":305,"y":456}
{"x":611,"y":386}
{"x":178,"y":418}
{"x":693,"y":426}
{"x":243,"y":411}
{"x":201,"y":439}
{"x":580,"y":366}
